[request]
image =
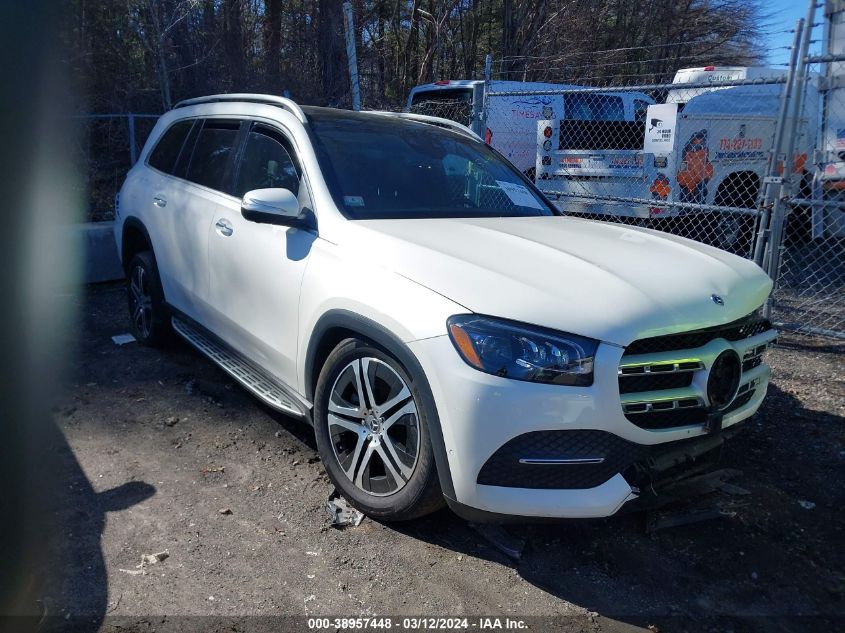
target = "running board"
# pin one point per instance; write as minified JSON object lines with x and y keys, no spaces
{"x":266,"y":389}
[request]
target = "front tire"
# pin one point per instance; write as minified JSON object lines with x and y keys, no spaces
{"x":371,"y":426}
{"x":147,"y":312}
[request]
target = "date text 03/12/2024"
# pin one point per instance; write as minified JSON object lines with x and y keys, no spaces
{"x":417,"y":623}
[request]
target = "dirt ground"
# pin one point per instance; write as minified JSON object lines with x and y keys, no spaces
{"x":158,"y":451}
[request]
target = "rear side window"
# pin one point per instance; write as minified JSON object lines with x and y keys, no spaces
{"x":164,"y":155}
{"x":187,"y":149}
{"x":267,"y":163}
{"x":213,"y":149}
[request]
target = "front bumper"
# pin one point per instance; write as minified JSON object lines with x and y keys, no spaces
{"x":554,"y":429}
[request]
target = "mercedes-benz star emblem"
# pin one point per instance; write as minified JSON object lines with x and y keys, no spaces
{"x":717,"y":300}
{"x":723,"y":382}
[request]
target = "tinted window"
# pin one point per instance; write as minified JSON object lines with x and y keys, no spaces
{"x":164,"y":156}
{"x":448,"y":104}
{"x":187,"y":149}
{"x":211,"y":154}
{"x":266,"y":163}
{"x":381,"y":167}
{"x":594,"y":106}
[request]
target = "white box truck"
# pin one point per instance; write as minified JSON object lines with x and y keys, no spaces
{"x":828,"y":210}
{"x":511,"y":121}
{"x":716,"y":75}
{"x":713,"y":153}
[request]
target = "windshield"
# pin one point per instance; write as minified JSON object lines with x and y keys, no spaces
{"x":385,"y":167}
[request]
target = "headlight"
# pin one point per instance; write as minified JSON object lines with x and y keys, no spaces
{"x":523,"y":352}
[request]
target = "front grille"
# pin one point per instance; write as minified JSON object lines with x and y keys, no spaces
{"x":735,"y":331}
{"x":669,"y":419}
{"x":678,"y":410}
{"x":654,"y":382}
{"x":751,"y":363}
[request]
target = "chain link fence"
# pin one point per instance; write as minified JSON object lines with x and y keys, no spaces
{"x":107,"y":146}
{"x":749,"y":160}
{"x":454,"y":109}
{"x":808,"y":253}
{"x":692,"y":163}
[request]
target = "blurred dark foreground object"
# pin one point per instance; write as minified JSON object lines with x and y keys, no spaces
{"x":39,"y":191}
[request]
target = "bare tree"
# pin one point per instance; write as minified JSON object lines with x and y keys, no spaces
{"x":156,"y":21}
{"x":131,"y":50}
{"x":331,"y":50}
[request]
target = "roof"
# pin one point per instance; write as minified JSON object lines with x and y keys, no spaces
{"x":313,"y":112}
{"x":748,"y":100}
{"x":318,"y":114}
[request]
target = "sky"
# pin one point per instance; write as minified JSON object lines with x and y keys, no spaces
{"x":782,"y":16}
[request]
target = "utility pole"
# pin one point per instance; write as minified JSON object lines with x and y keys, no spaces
{"x":349,"y":28}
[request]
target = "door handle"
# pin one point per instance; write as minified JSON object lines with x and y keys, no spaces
{"x":224,"y":227}
{"x":159,"y":201}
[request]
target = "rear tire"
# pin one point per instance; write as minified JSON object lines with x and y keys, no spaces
{"x":371,"y":426}
{"x":147,"y":312}
{"x":733,"y":231}
{"x":799,"y":221}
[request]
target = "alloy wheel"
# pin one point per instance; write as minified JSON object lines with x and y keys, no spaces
{"x":374,"y":426}
{"x":140,"y":301}
{"x":730,"y":231}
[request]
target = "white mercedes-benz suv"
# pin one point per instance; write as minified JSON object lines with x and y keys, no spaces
{"x":399,"y":285}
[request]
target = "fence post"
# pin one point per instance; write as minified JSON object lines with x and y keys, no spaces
{"x":349,"y":28}
{"x":488,"y":77}
{"x":781,"y":210}
{"x":133,"y":148}
{"x":767,"y":198}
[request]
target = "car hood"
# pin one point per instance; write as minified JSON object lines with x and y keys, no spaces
{"x":607,"y":281}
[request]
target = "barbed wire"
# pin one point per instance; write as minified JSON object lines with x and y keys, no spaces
{"x":609,"y":64}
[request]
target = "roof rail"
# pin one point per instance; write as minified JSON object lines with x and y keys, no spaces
{"x":431,"y":120}
{"x":283,"y":102}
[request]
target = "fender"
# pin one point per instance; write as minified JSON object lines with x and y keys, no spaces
{"x":135,"y":223}
{"x":384,"y":338}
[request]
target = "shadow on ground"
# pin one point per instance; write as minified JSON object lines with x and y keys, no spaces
{"x":70,"y":518}
{"x":721,"y":574}
{"x":773,"y":566}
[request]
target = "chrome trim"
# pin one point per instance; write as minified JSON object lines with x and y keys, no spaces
{"x":756,"y":351}
{"x":751,"y":348}
{"x":282,"y":102}
{"x":649,"y":405}
{"x":649,"y":367}
{"x":552,"y":461}
{"x":749,"y":386}
{"x":255,"y":380}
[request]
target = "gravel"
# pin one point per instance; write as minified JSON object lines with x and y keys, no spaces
{"x":158,"y":451}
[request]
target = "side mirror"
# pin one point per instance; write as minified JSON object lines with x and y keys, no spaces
{"x":271,"y":206}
